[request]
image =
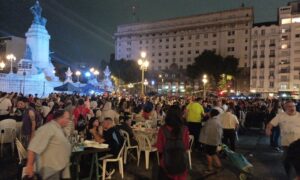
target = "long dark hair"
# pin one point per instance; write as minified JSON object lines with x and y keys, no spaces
{"x":174,"y":119}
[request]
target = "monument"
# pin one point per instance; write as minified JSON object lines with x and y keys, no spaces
{"x":35,"y":71}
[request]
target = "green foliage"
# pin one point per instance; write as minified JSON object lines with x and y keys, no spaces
{"x":127,"y":70}
{"x":212,"y":64}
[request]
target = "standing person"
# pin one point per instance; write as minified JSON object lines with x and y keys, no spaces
{"x":193,"y":115}
{"x":173,"y":160}
{"x":107,"y":111}
{"x":29,"y":120}
{"x":5,"y":106}
{"x":275,"y":132}
{"x":289,"y":124}
{"x":51,"y":149}
{"x":211,"y":137}
{"x":293,"y":157}
{"x":230,"y":124}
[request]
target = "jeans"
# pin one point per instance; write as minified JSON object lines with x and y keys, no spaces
{"x":229,"y":138}
{"x":274,"y":138}
{"x":194,"y":129}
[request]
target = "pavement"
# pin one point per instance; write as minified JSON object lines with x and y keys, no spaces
{"x":254,"y":145}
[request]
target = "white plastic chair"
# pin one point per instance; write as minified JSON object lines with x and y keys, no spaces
{"x":22,"y":153}
{"x":118,"y":159}
{"x":145,"y":145}
{"x":128,"y":145}
{"x":189,"y":151}
{"x":8,"y":133}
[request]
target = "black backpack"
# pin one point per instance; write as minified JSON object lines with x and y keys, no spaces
{"x":174,"y":153}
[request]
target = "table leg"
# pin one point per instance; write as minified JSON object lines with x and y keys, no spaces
{"x":92,"y":167}
{"x":97,"y":166}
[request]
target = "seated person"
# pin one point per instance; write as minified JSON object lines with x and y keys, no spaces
{"x":93,"y":130}
{"x":126,"y":126}
{"x":112,"y":136}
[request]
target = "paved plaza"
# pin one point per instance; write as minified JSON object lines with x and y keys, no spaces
{"x":253,"y":144}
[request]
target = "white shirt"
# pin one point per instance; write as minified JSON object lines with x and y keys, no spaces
{"x":289,"y":127}
{"x":228,"y":120}
{"x":5,"y":103}
{"x":45,"y":110}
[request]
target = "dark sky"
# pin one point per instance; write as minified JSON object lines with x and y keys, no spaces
{"x":82,"y":30}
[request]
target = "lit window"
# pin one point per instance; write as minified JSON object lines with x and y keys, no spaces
{"x":296,"y":20}
{"x":284,"y":46}
{"x":286,"y":21}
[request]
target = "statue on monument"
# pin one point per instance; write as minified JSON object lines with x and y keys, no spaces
{"x":27,"y":54}
{"x":36,"y":10}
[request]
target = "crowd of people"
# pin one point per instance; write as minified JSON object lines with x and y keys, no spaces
{"x":47,"y":123}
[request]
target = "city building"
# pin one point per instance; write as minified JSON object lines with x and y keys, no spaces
{"x":265,"y":40}
{"x":12,"y":45}
{"x":289,"y":49}
{"x":176,"y":42}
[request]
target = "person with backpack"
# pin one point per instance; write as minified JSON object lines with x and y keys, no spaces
{"x":172,"y":145}
{"x":31,"y":120}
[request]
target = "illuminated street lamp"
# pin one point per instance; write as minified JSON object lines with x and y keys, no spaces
{"x":78,"y":73}
{"x":96,"y":73}
{"x":2,"y":65}
{"x":92,"y":70}
{"x":143,"y":63}
{"x":204,"y":80}
{"x":11,"y":58}
{"x":146,"y":83}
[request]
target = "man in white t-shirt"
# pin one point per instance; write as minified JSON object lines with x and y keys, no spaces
{"x":5,"y":106}
{"x":289,"y":123}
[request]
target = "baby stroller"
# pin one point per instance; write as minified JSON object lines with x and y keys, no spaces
{"x":239,"y":161}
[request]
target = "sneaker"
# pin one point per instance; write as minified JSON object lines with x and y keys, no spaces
{"x":278,"y":150}
{"x":208,"y":171}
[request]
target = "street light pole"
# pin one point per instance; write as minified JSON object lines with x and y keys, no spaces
{"x":11,"y":58}
{"x":143,"y":63}
{"x":204,"y":80}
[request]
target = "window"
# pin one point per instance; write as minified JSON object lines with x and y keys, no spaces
{"x":214,"y":43}
{"x":286,"y":21}
{"x":153,"y":54}
{"x":246,"y":31}
{"x":214,"y":35}
{"x":297,"y":35}
{"x":159,"y":54}
{"x":230,"y":49}
{"x":205,"y":43}
{"x":230,"y":33}
{"x":230,"y":41}
{"x":159,"y":60}
{"x":190,"y":37}
{"x":197,"y":51}
{"x":141,"y":42}
{"x":181,"y":52}
{"x":296,"y":20}
{"x":160,"y":40}
{"x":167,"y":46}
{"x":189,"y":52}
{"x":174,"y":60}
{"x":181,"y":38}
{"x":189,"y":59}
{"x":271,"y":84}
{"x":181,"y":45}
{"x":197,"y":36}
{"x":263,"y":32}
{"x":189,"y":44}
{"x":174,"y":53}
{"x":205,"y":35}
{"x":174,"y":45}
{"x":197,"y":43}
{"x":167,"y":60}
{"x":246,"y":48}
{"x":167,"y":53}
{"x":181,"y":59}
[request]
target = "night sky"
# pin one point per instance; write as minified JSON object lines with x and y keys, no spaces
{"x":82,"y":30}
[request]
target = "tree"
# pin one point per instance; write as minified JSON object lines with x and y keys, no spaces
{"x":208,"y":62}
{"x":126,"y":70}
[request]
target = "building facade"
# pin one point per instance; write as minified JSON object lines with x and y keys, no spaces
{"x":12,"y":45}
{"x":265,"y":42}
{"x":178,"y":41}
{"x":289,"y":50}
